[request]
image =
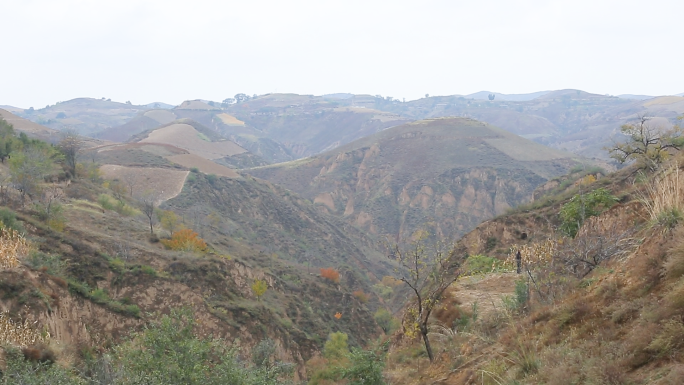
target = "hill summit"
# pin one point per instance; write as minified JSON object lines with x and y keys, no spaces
{"x":448,"y":172}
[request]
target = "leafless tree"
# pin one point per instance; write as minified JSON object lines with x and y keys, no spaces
{"x":130,"y":179}
{"x":71,"y":144}
{"x":593,"y":245}
{"x":428,"y":270}
{"x":148,"y":204}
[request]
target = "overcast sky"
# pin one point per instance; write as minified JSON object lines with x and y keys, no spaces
{"x":170,"y":51}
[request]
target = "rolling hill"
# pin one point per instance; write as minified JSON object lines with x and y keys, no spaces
{"x":448,"y":173}
{"x":203,"y":145}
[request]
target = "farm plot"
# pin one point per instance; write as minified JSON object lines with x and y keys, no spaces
{"x":187,"y":137}
{"x":163,"y":183}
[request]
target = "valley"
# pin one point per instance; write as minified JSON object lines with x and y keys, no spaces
{"x":270,"y":223}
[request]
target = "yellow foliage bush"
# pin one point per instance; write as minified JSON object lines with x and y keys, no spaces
{"x":185,"y":240}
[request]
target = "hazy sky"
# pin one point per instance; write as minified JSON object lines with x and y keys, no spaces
{"x":170,"y":51}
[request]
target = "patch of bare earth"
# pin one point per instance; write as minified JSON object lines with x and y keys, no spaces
{"x":163,"y":183}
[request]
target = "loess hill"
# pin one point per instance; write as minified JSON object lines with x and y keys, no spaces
{"x":447,"y":173}
{"x":102,"y":276}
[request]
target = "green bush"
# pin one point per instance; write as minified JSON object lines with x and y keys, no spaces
{"x":482,"y":264}
{"x":53,"y":264}
{"x":582,"y":206}
{"x":336,"y":346}
{"x":365,"y":369}
{"x":9,"y":220}
{"x":386,"y":321}
{"x":105,"y":202}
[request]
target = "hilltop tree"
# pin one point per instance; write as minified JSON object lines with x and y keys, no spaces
{"x":426,"y":270}
{"x":491,"y":96}
{"x":71,"y":145}
{"x":647,"y":144}
{"x":239,"y":98}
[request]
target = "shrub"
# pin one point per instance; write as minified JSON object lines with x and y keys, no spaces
{"x":53,"y":264}
{"x":185,"y":240}
{"x":482,"y":264}
{"x":335,"y":347}
{"x":582,"y":206}
{"x":104,"y":201}
{"x":259,"y":287}
{"x":674,"y":265}
{"x":361,"y":296}
{"x":669,"y":340}
{"x":383,"y":291}
{"x":365,"y":369}
{"x":9,"y":220}
{"x":330,"y":274}
{"x":386,"y":321}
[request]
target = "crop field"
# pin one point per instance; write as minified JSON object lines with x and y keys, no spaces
{"x":163,"y":183}
{"x":187,"y":137}
{"x":230,"y":120}
{"x":161,"y":116}
{"x":664,"y":100}
{"x":204,"y":165}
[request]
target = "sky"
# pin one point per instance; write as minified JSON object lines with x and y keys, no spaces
{"x":169,"y":51}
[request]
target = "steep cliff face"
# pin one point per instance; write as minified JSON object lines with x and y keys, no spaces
{"x":447,"y":173}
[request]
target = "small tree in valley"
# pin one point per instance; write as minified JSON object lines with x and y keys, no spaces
{"x":259,"y":288}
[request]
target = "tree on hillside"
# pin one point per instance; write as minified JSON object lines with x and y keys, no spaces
{"x":28,"y":169}
{"x":647,"y":144}
{"x":148,"y":205}
{"x":427,"y":270}
{"x":71,"y":145}
{"x":131,"y":180}
{"x":226,"y":102}
{"x":7,"y":137}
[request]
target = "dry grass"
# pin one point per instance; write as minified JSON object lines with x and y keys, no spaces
{"x":20,"y":334}
{"x":662,"y":198}
{"x":12,"y":246}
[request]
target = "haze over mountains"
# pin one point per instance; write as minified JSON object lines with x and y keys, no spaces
{"x":284,"y":186}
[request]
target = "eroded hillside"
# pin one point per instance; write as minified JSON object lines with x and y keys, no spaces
{"x":449,"y":173}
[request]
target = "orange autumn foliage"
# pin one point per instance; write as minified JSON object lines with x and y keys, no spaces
{"x":185,"y":240}
{"x":338,"y":315}
{"x":331,"y":274}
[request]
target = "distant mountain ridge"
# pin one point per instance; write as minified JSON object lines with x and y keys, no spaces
{"x":484,"y":95}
